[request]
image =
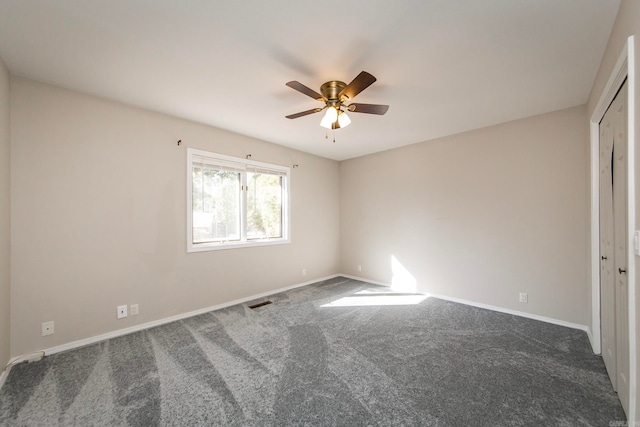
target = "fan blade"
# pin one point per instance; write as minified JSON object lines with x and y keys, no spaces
{"x":360,"y":83}
{"x":307,"y":91}
{"x":303,"y":113}
{"x":368,"y":108}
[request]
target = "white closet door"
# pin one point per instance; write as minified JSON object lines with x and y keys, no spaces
{"x":614,"y":289}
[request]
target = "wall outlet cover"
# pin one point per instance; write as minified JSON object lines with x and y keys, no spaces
{"x":122,"y":311}
{"x":48,"y":328}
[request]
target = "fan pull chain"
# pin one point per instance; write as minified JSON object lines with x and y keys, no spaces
{"x":326,"y":135}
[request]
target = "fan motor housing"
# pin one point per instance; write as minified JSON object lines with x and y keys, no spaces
{"x":330,"y":90}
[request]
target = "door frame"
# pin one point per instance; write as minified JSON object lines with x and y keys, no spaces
{"x":624,"y":68}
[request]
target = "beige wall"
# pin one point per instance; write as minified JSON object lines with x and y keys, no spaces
{"x":98,"y":209}
{"x":5,"y":209}
{"x":479,"y":216}
{"x":627,"y":24}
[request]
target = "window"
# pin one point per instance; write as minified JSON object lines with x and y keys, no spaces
{"x":234,"y":202}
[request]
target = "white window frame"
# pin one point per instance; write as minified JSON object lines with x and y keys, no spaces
{"x":244,"y":166}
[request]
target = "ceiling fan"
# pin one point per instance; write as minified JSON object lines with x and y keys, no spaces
{"x":335,"y":95}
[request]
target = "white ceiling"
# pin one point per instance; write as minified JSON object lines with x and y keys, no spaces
{"x":444,"y":66}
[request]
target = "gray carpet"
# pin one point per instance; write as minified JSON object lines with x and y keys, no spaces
{"x":295,"y":362}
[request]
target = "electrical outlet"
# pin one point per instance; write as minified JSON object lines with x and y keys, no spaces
{"x":359,"y":267}
{"x":304,"y":271}
{"x":524,"y":297}
{"x":134,"y":309}
{"x":47,"y":328}
{"x":122,"y":311}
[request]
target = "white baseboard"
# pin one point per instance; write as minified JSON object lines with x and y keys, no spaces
{"x":594,"y":347}
{"x":490,"y":307}
{"x":373,"y":282}
{"x":120,"y":332}
{"x":143,"y":326}
{"x":516,"y":313}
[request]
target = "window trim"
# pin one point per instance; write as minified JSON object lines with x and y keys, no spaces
{"x":244,"y":166}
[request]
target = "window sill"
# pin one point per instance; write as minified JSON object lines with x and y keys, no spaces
{"x":202,"y":247}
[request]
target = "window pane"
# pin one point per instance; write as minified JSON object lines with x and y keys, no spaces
{"x":215,"y":204}
{"x":264,"y":205}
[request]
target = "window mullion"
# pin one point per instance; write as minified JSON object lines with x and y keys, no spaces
{"x":243,"y":206}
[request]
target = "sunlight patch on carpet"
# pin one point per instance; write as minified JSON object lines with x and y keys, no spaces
{"x":368,"y":298}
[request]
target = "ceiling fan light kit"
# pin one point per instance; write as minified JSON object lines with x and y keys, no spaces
{"x":343,"y":119}
{"x":326,"y":121}
{"x":335,"y":95}
{"x":331,"y":115}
